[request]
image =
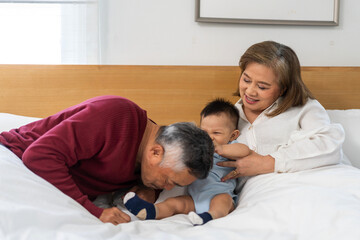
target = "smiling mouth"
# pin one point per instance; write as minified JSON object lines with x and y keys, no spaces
{"x":250,"y":100}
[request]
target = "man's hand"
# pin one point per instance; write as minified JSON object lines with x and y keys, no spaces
{"x":114,"y":216}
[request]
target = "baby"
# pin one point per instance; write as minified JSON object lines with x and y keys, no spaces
{"x":210,"y":198}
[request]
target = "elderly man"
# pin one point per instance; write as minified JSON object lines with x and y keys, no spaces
{"x":108,"y":143}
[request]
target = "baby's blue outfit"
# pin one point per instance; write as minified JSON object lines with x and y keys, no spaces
{"x":203,"y":190}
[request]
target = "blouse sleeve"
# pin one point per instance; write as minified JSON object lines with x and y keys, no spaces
{"x":317,"y":142}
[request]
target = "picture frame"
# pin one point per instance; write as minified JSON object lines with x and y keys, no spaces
{"x":278,"y":12}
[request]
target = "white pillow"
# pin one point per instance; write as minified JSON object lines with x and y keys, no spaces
{"x":350,"y":120}
{"x":9,"y":121}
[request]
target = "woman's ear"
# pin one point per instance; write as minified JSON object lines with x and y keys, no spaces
{"x":282,"y":91}
{"x":234,"y":135}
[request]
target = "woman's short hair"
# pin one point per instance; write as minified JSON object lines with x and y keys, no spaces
{"x":186,"y":146}
{"x":286,"y":67}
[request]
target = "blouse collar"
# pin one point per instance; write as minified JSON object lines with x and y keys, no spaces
{"x":272,"y":107}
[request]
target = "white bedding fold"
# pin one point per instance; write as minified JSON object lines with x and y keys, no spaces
{"x":322,"y":203}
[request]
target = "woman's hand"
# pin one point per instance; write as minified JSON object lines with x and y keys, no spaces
{"x":250,"y":165}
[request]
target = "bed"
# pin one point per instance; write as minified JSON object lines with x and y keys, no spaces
{"x":322,"y":203}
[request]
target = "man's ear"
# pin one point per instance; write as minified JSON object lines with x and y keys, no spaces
{"x":235,"y":134}
{"x":156,"y":153}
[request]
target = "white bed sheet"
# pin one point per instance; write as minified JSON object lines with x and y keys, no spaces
{"x":322,"y":203}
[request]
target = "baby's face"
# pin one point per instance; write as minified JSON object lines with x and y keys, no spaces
{"x":219,"y":128}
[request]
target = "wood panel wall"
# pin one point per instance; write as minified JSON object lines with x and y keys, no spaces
{"x":168,"y":93}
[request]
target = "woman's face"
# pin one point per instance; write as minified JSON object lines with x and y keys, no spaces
{"x":258,"y":88}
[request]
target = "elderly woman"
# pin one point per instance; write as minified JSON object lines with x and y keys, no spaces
{"x":280,"y":120}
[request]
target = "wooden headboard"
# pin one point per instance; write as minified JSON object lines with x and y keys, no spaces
{"x":168,"y":93}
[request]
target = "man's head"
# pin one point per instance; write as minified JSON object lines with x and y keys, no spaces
{"x":180,"y":154}
{"x":219,"y":119}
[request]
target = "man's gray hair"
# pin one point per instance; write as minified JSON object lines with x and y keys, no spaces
{"x":186,"y":146}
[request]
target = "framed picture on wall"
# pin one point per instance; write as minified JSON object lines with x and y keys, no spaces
{"x":285,"y":12}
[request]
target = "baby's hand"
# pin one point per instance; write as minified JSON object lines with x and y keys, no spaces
{"x":218,"y":147}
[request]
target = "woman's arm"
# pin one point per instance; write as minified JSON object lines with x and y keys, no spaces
{"x":317,"y":143}
{"x":305,"y":140}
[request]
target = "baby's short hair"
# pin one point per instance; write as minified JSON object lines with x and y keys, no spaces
{"x":220,"y":105}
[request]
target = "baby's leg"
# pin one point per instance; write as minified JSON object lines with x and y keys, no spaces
{"x":175,"y":205}
{"x":220,"y":206}
{"x":145,"y":210}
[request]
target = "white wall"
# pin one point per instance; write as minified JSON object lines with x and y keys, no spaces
{"x":164,"y":32}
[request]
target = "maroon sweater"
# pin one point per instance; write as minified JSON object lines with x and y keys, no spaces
{"x":86,"y":150}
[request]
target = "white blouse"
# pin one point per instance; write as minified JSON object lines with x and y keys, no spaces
{"x":300,"y":138}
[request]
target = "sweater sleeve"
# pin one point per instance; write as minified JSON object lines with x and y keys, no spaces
{"x":79,"y":137}
{"x":317,"y":143}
